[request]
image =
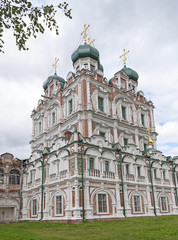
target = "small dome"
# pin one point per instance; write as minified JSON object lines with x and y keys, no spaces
{"x":85,"y":50}
{"x":130,"y":73}
{"x":100,"y":67}
{"x":55,"y":76}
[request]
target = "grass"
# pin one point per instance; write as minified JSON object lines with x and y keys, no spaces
{"x":147,"y":228}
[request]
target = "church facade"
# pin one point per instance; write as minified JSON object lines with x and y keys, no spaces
{"x":10,"y":188}
{"x":92,"y":154}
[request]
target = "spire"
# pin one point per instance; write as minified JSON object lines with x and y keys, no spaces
{"x":124,"y":56}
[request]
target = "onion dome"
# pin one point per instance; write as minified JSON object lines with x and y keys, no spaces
{"x":83,"y":51}
{"x":55,"y":76}
{"x":130,"y":73}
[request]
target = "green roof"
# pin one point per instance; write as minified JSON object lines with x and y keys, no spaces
{"x":55,"y":76}
{"x":130,"y":73}
{"x":85,"y":50}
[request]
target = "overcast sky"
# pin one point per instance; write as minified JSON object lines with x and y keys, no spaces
{"x":148,"y":28}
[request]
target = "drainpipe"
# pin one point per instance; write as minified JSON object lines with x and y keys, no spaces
{"x":150,"y":165}
{"x":175,"y":184}
{"x":42,"y":165}
{"x":83,"y":219}
{"x":120,"y":161}
{"x":21,"y":180}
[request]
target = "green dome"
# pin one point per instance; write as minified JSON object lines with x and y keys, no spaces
{"x":85,"y":51}
{"x":55,"y":76}
{"x":130,"y":73}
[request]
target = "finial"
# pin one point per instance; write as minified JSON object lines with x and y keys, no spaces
{"x":90,"y":41}
{"x":84,"y":32}
{"x":55,"y":64}
{"x":150,"y":141}
{"x":124,"y":56}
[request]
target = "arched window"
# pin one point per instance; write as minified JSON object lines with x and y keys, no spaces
{"x":1,"y":176}
{"x":14,"y":177}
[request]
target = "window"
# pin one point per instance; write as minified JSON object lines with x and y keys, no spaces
{"x":92,"y":68}
{"x":145,"y":146}
{"x":91,"y":163}
{"x":58,"y":205}
{"x":34,"y":207}
{"x":124,"y":112}
{"x":139,"y":171}
{"x":77,"y":68}
{"x":164,"y":174}
{"x":86,"y":65}
{"x":102,"y":134}
{"x":137,"y":203}
{"x":53,"y":118}
{"x":70,"y":107}
{"x":155,"y":173}
{"x":14,"y":177}
{"x":163,"y":204}
{"x":102,"y":203}
{"x":39,"y":127}
{"x":101,"y":104}
{"x":125,"y":141}
{"x":127,"y":168}
{"x":107,"y":166}
{"x":1,"y":176}
{"x":143,"y":119}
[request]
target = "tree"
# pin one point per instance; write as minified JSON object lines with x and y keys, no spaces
{"x":28,"y":20}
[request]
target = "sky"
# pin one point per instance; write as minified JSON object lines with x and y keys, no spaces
{"x":147,"y":28}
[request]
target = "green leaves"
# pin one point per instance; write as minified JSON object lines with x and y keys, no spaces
{"x":27,"y":20}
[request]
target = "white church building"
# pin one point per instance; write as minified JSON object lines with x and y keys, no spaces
{"x":94,"y":153}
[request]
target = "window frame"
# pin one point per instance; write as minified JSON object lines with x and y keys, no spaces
{"x":70,"y":106}
{"x":124,"y":112}
{"x":53,"y":118}
{"x":106,"y":166}
{"x":142,"y":119}
{"x":161,"y":203}
{"x":55,"y":207}
{"x":140,"y":204}
{"x":101,"y":106}
{"x":1,"y":176}
{"x":14,"y":179}
{"x":93,"y":163}
{"x":34,"y":213}
{"x":106,"y":202}
{"x":127,"y":168}
{"x":125,"y":140}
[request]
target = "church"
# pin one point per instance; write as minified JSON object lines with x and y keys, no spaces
{"x":94,"y":154}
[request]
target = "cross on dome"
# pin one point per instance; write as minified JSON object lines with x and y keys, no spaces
{"x":124,"y":56}
{"x":55,"y":64}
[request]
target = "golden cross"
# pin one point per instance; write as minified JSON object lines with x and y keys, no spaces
{"x":90,"y":41}
{"x":55,"y":64}
{"x":84,"y":32}
{"x":124,"y":57}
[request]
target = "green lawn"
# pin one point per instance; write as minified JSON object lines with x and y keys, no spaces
{"x":131,"y":228}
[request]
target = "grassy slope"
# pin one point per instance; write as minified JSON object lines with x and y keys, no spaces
{"x":132,"y":228}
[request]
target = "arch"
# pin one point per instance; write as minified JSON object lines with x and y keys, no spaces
{"x":55,"y":193}
{"x":128,"y":159}
{"x":140,"y":162}
{"x":164,"y":194}
{"x":92,"y":151}
{"x":62,"y":154}
{"x":139,"y":193}
{"x":156,"y":165}
{"x":108,"y":154}
{"x":102,"y":190}
{"x":118,"y":97}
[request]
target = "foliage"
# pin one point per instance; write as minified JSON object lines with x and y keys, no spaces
{"x":28,"y":20}
{"x":145,"y":228}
